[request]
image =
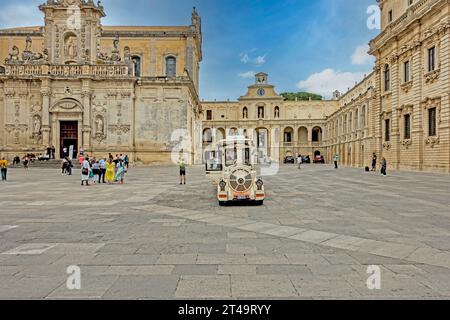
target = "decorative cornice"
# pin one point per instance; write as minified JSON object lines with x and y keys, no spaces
{"x":406,"y":86}
{"x":432,"y":76}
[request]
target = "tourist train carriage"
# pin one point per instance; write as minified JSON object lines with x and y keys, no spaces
{"x":231,"y":167}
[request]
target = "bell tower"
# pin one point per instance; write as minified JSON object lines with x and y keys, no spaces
{"x":72,"y":30}
{"x":261,"y":78}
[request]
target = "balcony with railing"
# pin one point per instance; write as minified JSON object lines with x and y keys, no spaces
{"x":67,"y":71}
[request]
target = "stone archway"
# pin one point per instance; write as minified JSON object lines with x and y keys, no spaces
{"x":66,"y":125}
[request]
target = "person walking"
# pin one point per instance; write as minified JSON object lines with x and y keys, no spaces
{"x":182,"y":166}
{"x":85,"y":172}
{"x":299,"y":161}
{"x":374,"y":162}
{"x":101,"y":177}
{"x":336,"y":161}
{"x":26,"y":161}
{"x":384,"y":167}
{"x":127,"y":161}
{"x":64,"y":166}
{"x":4,"y":168}
{"x":96,"y":171}
{"x":110,"y":173}
{"x":69,"y":167}
{"x":120,"y":174}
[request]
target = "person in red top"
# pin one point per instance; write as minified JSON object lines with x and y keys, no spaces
{"x":81,"y":159}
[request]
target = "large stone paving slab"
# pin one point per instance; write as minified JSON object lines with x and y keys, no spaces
{"x":151,"y":238}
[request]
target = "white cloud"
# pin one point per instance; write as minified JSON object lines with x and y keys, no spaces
{"x":360,"y":55}
{"x":247,"y":75}
{"x":18,"y":15}
{"x":328,"y":80}
{"x":257,"y":61}
{"x":260,"y":60}
{"x":244,"y":58}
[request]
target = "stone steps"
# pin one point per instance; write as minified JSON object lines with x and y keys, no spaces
{"x":51,"y":164}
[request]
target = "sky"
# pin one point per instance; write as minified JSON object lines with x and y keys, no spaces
{"x":304,"y":45}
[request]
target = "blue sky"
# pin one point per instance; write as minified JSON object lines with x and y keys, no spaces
{"x":304,"y":45}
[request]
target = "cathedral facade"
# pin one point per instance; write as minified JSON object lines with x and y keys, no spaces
{"x":400,"y":111}
{"x":74,"y":83}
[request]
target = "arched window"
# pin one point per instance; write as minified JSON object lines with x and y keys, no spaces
{"x":2,"y":70}
{"x":288,"y":135}
{"x":277,"y":112}
{"x":245,"y":113}
{"x":171,"y":67}
{"x":317,"y":134}
{"x":261,"y":112}
{"x":207,"y":135}
{"x":137,"y":65}
{"x":233,"y":132}
{"x":357,"y":119}
{"x":387,"y":78}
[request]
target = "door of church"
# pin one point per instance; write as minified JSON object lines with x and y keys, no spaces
{"x":68,"y":138}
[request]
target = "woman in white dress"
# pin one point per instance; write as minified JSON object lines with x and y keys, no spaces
{"x":85,"y":172}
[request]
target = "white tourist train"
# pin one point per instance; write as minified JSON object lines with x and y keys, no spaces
{"x":231,"y":166}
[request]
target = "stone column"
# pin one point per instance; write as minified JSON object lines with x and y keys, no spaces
{"x":395,"y":125}
{"x":46,"y":92}
{"x":87,"y":126}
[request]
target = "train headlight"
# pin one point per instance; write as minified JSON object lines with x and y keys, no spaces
{"x":222,"y":185}
{"x":259,"y":184}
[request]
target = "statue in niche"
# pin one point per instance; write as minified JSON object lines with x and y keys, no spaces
{"x":100,"y":127}
{"x":71,"y":49}
{"x":37,"y":125}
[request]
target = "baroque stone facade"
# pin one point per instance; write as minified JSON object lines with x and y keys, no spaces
{"x":401,"y":111}
{"x":74,"y":82}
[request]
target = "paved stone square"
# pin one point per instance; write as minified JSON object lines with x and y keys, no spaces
{"x":151,"y":238}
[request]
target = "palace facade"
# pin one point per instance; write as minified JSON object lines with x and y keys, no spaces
{"x":401,"y":111}
{"x":76,"y":83}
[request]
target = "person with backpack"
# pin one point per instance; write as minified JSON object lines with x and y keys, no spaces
{"x":85,"y":172}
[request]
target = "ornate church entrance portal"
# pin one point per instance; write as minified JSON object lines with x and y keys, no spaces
{"x":68,"y":138}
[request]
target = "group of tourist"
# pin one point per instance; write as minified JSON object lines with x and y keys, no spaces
{"x":107,"y":170}
{"x":383,"y":164}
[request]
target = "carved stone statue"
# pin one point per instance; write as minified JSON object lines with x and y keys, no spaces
{"x":29,"y":56}
{"x":13,"y":56}
{"x":71,"y":49}
{"x":115,"y":55}
{"x":37,"y":125}
{"x":100,"y":128}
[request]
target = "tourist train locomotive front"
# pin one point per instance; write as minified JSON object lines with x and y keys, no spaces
{"x":235,"y":175}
